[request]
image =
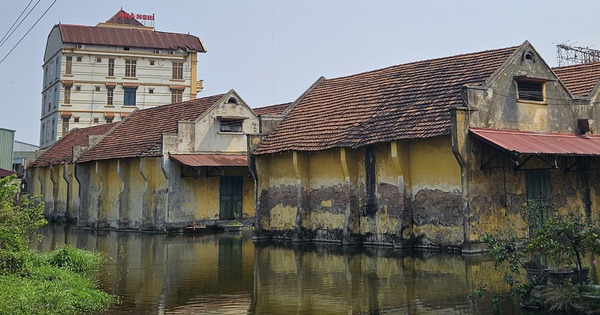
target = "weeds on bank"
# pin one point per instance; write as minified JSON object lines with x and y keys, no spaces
{"x":60,"y":282}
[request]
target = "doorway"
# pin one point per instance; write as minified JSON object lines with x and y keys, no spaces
{"x":231,"y":196}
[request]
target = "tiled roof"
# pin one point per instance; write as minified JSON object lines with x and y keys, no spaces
{"x":272,"y":109}
{"x":61,"y":152}
{"x":6,"y":173}
{"x":399,"y":102}
{"x":579,"y":79}
{"x":140,"y":134}
{"x":130,"y":37}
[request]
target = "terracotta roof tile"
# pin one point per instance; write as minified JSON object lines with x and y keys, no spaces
{"x":6,"y":173}
{"x":61,"y":152}
{"x":277,"y":109}
{"x":140,"y":134}
{"x":399,"y":102}
{"x":579,"y":79}
{"x":130,"y":37}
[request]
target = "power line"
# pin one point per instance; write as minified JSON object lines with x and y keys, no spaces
{"x":15,"y":22}
{"x":23,"y":37}
{"x":23,"y":20}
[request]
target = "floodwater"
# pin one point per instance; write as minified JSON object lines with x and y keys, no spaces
{"x":229,"y":273}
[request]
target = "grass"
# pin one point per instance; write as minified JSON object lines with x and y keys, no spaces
{"x":59,"y":282}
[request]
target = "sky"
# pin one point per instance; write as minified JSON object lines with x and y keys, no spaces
{"x":271,"y":51}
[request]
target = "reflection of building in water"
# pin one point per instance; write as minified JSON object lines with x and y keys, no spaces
{"x":434,"y":153}
{"x":155,"y":273}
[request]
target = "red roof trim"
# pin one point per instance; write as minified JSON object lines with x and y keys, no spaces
{"x":210,"y":159}
{"x":528,"y":142}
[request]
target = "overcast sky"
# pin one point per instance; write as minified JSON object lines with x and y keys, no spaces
{"x":271,"y":51}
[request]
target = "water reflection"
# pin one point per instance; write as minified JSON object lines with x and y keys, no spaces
{"x":227,"y":273}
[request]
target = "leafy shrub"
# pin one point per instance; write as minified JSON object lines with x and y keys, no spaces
{"x":76,"y":260}
{"x":59,"y":282}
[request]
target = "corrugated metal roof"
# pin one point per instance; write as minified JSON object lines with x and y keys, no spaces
{"x":92,"y":35}
{"x":210,"y":159}
{"x":527,"y":142}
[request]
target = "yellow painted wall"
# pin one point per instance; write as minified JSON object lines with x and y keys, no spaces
{"x":73,"y":190}
{"x":433,"y":165}
{"x":155,"y":197}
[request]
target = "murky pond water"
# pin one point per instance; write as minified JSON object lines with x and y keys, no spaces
{"x":228,"y":273}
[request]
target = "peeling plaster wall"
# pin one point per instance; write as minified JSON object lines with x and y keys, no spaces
{"x":208,"y":137}
{"x":493,"y":198}
{"x":72,"y":196}
{"x":333,"y":206}
{"x":156,"y":195}
{"x":436,"y":189}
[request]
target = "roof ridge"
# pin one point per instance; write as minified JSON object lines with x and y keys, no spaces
{"x":437,"y":59}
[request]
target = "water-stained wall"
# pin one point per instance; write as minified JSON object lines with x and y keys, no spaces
{"x":494,"y":188}
{"x":368,"y":195}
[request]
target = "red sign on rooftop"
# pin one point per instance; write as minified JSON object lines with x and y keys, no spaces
{"x":143,"y":17}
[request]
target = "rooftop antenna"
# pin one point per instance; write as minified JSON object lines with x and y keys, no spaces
{"x":568,"y":55}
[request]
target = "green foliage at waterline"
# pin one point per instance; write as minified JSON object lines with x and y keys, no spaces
{"x":60,"y":282}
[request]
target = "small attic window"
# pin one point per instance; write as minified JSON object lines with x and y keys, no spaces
{"x":529,"y":55}
{"x":232,"y":100}
{"x":531,"y":90}
{"x":231,"y":125}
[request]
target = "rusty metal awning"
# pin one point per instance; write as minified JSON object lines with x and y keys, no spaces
{"x":210,"y":159}
{"x":539,"y":143}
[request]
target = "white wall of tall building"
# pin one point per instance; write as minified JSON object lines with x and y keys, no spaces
{"x":89,"y":82}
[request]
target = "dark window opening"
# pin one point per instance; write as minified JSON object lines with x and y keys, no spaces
{"x":231,"y":125}
{"x":530,"y":90}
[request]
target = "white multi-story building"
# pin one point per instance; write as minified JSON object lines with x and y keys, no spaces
{"x":99,"y":74}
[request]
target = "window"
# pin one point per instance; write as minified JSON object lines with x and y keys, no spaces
{"x":78,"y":88}
{"x":538,"y":188}
{"x":67,"y":98}
{"x":176,"y":96}
{"x":111,"y":67}
{"x":538,"y":185}
{"x":96,"y":120}
{"x":231,"y":125}
{"x":130,"y":66}
{"x":78,"y":59}
{"x":75,"y":119}
{"x":129,"y":96}
{"x":177,"y":70}
{"x":65,"y":125}
{"x":150,"y":91}
{"x":109,"y":120}
{"x":69,"y":65}
{"x":57,"y":68}
{"x":531,"y":90}
{"x":98,"y":60}
{"x":97,"y":88}
{"x":110,"y":93}
{"x":152,"y":62}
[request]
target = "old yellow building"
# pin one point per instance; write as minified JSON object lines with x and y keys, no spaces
{"x":433,"y":153}
{"x":161,"y":168}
